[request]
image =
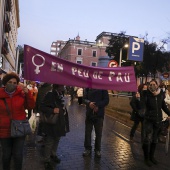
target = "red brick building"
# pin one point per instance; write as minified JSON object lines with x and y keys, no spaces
{"x":82,"y":52}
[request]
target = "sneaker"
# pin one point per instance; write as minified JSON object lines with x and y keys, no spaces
{"x":87,"y":153}
{"x":48,"y":166}
{"x":98,"y":154}
{"x":55,"y":159}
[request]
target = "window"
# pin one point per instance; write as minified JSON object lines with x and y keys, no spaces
{"x":78,"y":62}
{"x":79,"y":52}
{"x":94,"y":64}
{"x":94,"y":53}
{"x":53,"y":53}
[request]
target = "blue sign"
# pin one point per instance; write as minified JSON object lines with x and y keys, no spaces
{"x":135,"y":51}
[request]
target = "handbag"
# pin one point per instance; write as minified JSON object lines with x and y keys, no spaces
{"x":19,"y":128}
{"x":52,"y":119}
{"x":133,"y":115}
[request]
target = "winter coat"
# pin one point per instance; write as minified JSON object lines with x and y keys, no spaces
{"x":53,"y":100}
{"x":17,"y":103}
{"x":101,"y":99}
{"x":154,"y":105}
{"x":42,"y":90}
{"x":135,"y":104}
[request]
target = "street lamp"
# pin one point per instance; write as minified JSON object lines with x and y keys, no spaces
{"x":120,"y":58}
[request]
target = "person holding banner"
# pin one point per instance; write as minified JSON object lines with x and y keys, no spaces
{"x":14,"y":99}
{"x":95,"y":101}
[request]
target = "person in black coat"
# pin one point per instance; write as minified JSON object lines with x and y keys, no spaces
{"x":153,"y":103}
{"x":135,"y":115}
{"x":53,"y":103}
{"x":95,"y":101}
{"x":42,"y":90}
{"x":135,"y":104}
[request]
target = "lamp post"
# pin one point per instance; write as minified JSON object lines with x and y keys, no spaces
{"x":120,"y":57}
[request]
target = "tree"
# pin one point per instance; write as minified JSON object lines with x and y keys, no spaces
{"x":155,"y":58}
{"x":116,"y":42}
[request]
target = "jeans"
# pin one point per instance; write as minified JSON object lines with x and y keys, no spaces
{"x":150,"y":131}
{"x":98,"y":127}
{"x":12,"y":147}
{"x":51,"y":145}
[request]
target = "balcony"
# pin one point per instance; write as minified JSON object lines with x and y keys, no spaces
{"x":8,"y":5}
{"x":5,"y":49}
{"x":7,"y":27}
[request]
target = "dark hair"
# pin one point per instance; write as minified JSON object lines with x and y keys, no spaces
{"x":140,"y":87}
{"x":9,"y":76}
{"x":55,"y":86}
{"x":162,"y":85}
{"x":153,"y":80}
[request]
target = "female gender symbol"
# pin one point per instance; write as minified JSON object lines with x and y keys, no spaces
{"x":37,"y":70}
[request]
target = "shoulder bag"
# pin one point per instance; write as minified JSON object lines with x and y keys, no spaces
{"x":52,"y":119}
{"x":19,"y":128}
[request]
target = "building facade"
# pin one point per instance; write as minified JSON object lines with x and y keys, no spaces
{"x":81,"y":52}
{"x":9,"y":24}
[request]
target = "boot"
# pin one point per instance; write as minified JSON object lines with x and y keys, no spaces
{"x":151,"y":154}
{"x":145,"y":148}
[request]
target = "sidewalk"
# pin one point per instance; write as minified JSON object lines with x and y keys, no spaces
{"x":117,"y":152}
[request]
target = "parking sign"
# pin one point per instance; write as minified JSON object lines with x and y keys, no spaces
{"x":135,"y":51}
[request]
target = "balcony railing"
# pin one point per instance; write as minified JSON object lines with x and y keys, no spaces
{"x":5,"y":49}
{"x":8,"y":5}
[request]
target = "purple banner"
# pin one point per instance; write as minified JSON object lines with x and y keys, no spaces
{"x":41,"y":66}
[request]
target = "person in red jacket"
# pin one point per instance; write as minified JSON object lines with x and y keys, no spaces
{"x":18,"y":98}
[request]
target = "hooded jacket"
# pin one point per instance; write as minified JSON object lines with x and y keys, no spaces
{"x":17,"y":103}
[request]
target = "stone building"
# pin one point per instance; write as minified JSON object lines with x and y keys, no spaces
{"x":9,"y":24}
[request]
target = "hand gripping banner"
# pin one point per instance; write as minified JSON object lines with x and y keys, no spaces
{"x":43,"y":67}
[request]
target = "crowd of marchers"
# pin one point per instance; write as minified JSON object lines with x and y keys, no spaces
{"x":20,"y":101}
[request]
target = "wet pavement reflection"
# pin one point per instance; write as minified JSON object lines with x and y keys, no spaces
{"x":117,"y":152}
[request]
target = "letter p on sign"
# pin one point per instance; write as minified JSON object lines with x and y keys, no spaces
{"x":135,"y":47}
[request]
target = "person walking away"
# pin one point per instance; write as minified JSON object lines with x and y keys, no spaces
{"x":18,"y":98}
{"x":53,"y":103}
{"x":75,"y":91}
{"x":153,"y":102}
{"x":71,"y":92}
{"x":80,"y":95}
{"x":95,"y":101}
